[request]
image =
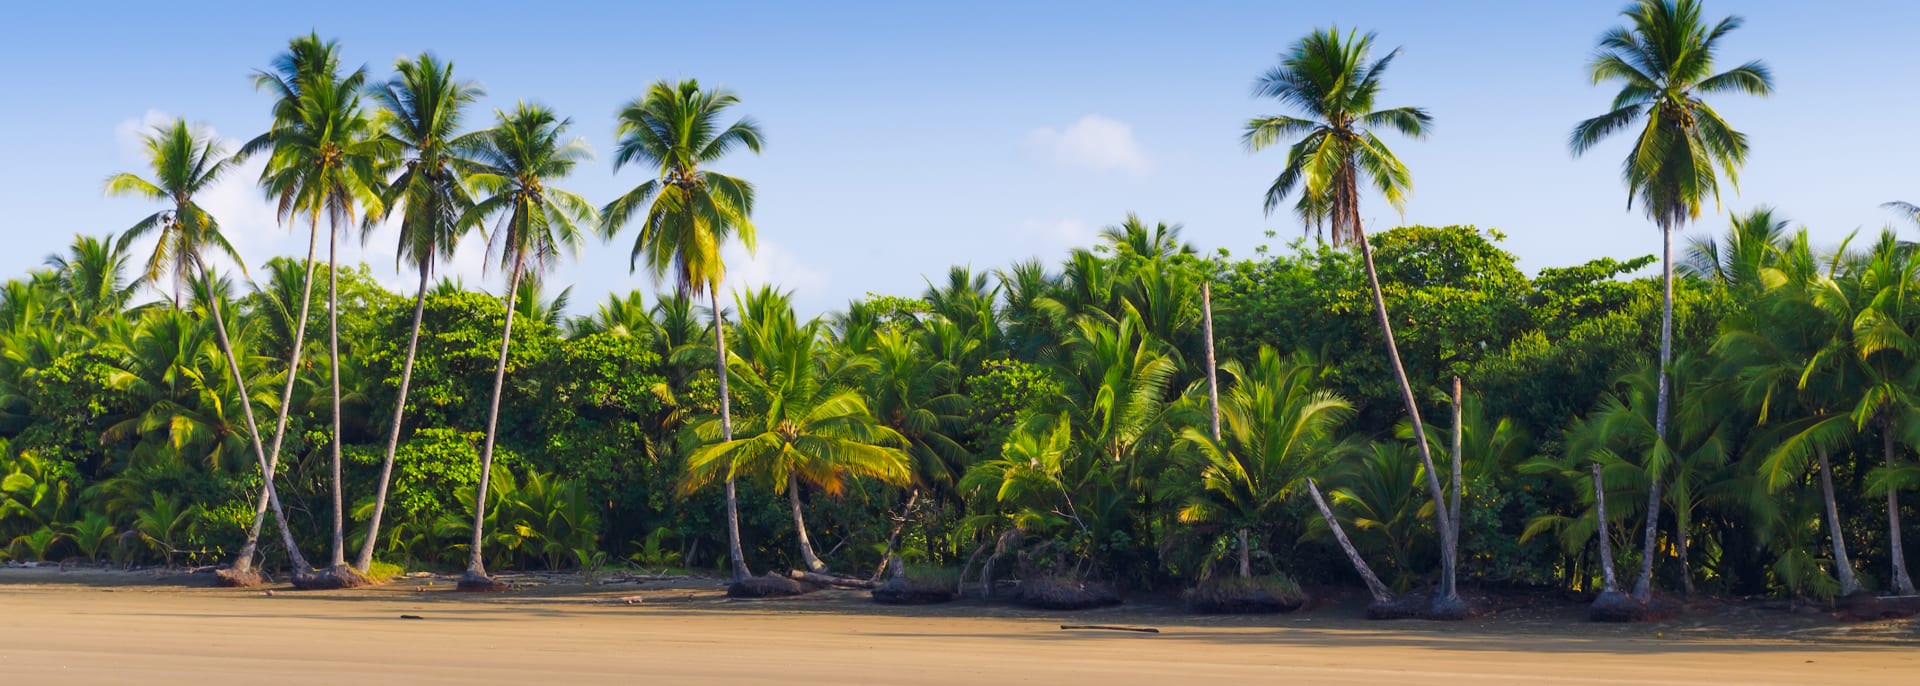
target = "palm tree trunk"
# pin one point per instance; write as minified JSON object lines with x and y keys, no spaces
{"x":1842,"y":565}
{"x":1450,"y":577}
{"x":365,"y":558}
{"x":1902,"y":583}
{"x":1374,"y":587}
{"x":734,"y":550}
{"x":1643,"y":587}
{"x":1608,"y":582}
{"x":476,"y":574}
{"x":800,"y":526}
{"x":339,"y":551}
{"x":1246,"y":558}
{"x":891,"y":560}
{"x":1213,"y":380}
{"x":294,"y":559}
{"x":244,"y":562}
{"x":1442,"y":520}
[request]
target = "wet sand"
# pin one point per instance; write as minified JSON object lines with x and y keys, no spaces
{"x":92,"y":627}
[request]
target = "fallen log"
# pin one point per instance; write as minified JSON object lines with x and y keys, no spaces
{"x":1103,"y":627}
{"x":828,"y":579}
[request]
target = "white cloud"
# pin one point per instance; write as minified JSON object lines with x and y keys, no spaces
{"x":771,"y":264}
{"x":1053,"y":236}
{"x":1094,"y":143}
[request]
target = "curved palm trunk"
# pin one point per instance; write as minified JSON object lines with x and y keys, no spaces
{"x":1902,"y":584}
{"x":1246,"y":556}
{"x":1843,"y":567}
{"x":1442,"y":520}
{"x":1609,"y":583}
{"x":734,"y":550}
{"x":800,"y":526}
{"x":339,"y":551}
{"x":1643,"y":587}
{"x":365,"y":559}
{"x":890,"y":563}
{"x":1213,"y":376}
{"x":476,"y":574}
{"x":294,"y":559}
{"x":271,"y":466}
{"x":1374,"y":587}
{"x":1450,"y":577}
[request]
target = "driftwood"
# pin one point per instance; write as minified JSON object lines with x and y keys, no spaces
{"x":819,"y":579}
{"x":1103,"y":627}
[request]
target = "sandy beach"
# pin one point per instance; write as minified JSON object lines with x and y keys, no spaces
{"x":93,"y":627}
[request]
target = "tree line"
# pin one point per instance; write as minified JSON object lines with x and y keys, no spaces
{"x":1405,"y":408}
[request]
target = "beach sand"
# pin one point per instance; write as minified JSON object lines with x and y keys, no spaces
{"x":101,"y":627}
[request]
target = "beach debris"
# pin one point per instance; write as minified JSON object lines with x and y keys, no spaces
{"x":268,"y":593}
{"x":1104,"y":627}
{"x":818,"y":579}
{"x":412,"y":617}
{"x":631,"y":600}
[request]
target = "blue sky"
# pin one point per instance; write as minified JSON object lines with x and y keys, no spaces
{"x":906,"y":137}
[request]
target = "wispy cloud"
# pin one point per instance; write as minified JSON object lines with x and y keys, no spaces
{"x":1094,"y":143}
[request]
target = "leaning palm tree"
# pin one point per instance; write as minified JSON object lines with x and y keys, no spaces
{"x":1664,"y":62}
{"x":321,"y":160}
{"x":514,"y":166}
{"x":326,"y":159}
{"x":690,"y":212}
{"x":423,"y":103}
{"x":186,"y":163}
{"x":1329,"y":78}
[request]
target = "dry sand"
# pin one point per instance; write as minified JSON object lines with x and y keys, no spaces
{"x":95,"y":627}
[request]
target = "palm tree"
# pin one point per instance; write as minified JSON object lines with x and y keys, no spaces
{"x":423,"y":105}
{"x":1277,"y":428}
{"x":1664,"y":62}
{"x":514,"y":166}
{"x":323,"y":158}
{"x":814,"y":430}
{"x":90,"y":280}
{"x":1907,"y":210}
{"x":178,"y":145}
{"x":1789,"y":356}
{"x":690,"y":212}
{"x":1329,"y":78}
{"x":185,"y":163}
{"x":1889,"y":356}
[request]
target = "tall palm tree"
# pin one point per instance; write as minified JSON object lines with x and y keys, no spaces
{"x":1664,"y":61}
{"x":323,"y":158}
{"x":423,"y":103}
{"x":185,"y":163}
{"x":514,"y":166}
{"x":1329,"y":78}
{"x":690,"y":212}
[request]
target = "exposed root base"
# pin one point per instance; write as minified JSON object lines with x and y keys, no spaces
{"x":1227,"y":598}
{"x":479,"y":583}
{"x":769,"y":586}
{"x":898,"y":591}
{"x":332,"y":578}
{"x":1619,"y":607}
{"x":232,"y":578}
{"x":1421,"y":606}
{"x":1867,"y":607}
{"x":1061,"y":594}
